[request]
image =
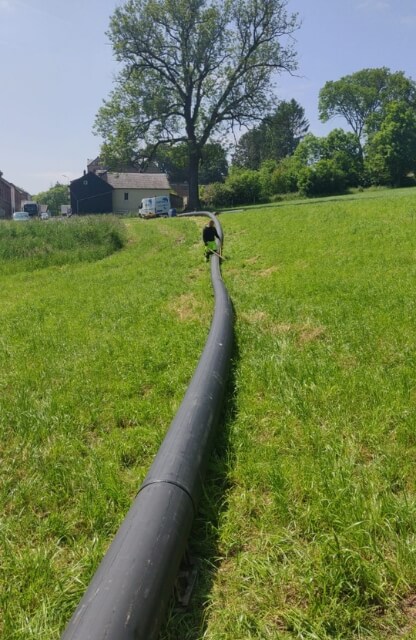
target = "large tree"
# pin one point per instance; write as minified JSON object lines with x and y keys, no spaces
{"x":174,"y":162}
{"x":191,"y":70}
{"x":276,"y":137}
{"x":391,"y":151}
{"x":339,"y":146}
{"x":362,"y":97}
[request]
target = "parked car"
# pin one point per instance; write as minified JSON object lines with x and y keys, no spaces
{"x":21,"y":215}
{"x":45,"y":215}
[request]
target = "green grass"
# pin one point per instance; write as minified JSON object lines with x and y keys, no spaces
{"x":353,"y":194}
{"x":26,"y":246}
{"x":315,"y":535}
{"x":307,"y":527}
{"x":96,"y":358}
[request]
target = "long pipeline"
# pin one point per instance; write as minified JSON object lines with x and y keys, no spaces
{"x":129,"y":594}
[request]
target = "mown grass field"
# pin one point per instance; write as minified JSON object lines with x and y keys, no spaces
{"x":307,"y":526}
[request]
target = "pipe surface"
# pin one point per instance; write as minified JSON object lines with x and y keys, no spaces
{"x":128,"y":596}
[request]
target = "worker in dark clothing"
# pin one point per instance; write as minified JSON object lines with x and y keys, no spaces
{"x":208,"y":236}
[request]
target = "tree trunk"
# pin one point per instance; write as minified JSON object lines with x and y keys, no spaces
{"x":194,"y":157}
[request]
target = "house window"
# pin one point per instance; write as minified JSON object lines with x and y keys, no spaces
{"x":126,"y":196}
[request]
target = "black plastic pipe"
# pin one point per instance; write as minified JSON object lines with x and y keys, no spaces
{"x":128,"y":596}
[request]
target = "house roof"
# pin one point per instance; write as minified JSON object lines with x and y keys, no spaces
{"x":137,"y":180}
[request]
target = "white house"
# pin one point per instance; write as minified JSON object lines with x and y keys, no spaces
{"x":130,"y":188}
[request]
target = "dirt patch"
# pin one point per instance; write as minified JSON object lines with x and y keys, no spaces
{"x":145,"y":390}
{"x":282,"y":328}
{"x":305,"y":333}
{"x":264,"y":319}
{"x":268,"y":272}
{"x":255,"y":317}
{"x":348,"y":362}
{"x":186,"y":308}
{"x":408,"y":608}
{"x":311,"y":334}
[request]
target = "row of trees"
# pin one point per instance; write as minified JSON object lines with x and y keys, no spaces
{"x":380,"y":108}
{"x":192,"y":71}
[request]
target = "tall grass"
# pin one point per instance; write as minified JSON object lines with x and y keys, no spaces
{"x":25,"y":246}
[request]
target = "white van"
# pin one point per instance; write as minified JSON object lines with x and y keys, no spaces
{"x":154,"y":207}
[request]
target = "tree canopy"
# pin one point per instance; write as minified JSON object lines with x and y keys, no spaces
{"x":174,"y":162}
{"x":276,"y":137}
{"x":391,"y":153}
{"x":191,"y":70}
{"x":341,"y":147}
{"x":362,"y":97}
{"x":54,"y":197}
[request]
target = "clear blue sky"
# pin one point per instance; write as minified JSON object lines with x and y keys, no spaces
{"x":56,"y":67}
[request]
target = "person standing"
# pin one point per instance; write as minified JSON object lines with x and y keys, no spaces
{"x":209,"y":235}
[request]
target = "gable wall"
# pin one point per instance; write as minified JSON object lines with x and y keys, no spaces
{"x":135,"y":196}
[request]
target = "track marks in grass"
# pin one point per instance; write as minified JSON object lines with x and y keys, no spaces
{"x":265,"y":273}
{"x":303,"y":333}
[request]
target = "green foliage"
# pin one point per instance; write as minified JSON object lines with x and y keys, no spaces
{"x":275,"y":138}
{"x":391,"y":151}
{"x":321,"y":179}
{"x":362,"y":97}
{"x":278,"y":178}
{"x":285,"y":177}
{"x":214,"y":163}
{"x":217,"y":194}
{"x":54,"y":197}
{"x":245,"y":186}
{"x":267,"y":169}
{"x":319,"y":166}
{"x":248,"y":152}
{"x":342,"y":148}
{"x":242,"y":186}
{"x":174,"y":162}
{"x":191,"y":69}
{"x":36,"y":244}
{"x":310,"y":150}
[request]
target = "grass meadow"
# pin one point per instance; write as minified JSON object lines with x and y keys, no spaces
{"x":307,"y":526}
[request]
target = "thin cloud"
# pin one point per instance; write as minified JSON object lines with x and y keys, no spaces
{"x":13,"y":5}
{"x":384,"y":6}
{"x":408,"y":21}
{"x":374,"y":5}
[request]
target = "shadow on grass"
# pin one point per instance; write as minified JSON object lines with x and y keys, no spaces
{"x":204,"y":540}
